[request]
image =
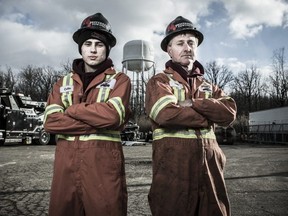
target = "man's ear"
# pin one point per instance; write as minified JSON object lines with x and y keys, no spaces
{"x":169,"y":50}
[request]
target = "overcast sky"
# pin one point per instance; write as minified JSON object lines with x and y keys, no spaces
{"x":237,"y":33}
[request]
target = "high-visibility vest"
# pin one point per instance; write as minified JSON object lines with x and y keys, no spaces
{"x":103,"y":95}
{"x":179,"y":95}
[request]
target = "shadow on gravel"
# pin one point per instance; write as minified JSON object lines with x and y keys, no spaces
{"x":282,"y":174}
{"x":24,"y":191}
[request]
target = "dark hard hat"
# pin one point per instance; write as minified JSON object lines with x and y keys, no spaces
{"x":98,"y":23}
{"x":177,"y":26}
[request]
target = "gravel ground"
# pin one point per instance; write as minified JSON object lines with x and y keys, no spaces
{"x":256,"y":177}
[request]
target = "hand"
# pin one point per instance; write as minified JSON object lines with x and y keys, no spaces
{"x":185,"y":103}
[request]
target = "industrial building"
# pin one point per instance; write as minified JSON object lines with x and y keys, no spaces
{"x":269,"y":126}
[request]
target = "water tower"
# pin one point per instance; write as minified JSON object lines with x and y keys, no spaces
{"x":138,"y":64}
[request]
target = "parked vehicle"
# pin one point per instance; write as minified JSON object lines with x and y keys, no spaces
{"x":130,"y":132}
{"x":21,"y":120}
{"x":225,"y":135}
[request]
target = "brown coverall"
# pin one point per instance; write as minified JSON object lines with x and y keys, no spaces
{"x":89,"y":175}
{"x":188,"y":164}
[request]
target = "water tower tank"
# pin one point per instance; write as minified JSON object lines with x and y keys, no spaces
{"x":138,"y":55}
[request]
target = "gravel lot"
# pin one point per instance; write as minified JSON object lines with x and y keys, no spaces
{"x":256,"y":177}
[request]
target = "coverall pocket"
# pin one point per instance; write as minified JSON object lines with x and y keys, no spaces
{"x":221,"y":157}
{"x":215,"y":156}
{"x":116,"y":159}
{"x":107,"y":160}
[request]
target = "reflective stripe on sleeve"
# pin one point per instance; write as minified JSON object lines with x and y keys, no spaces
{"x":118,"y":104}
{"x":185,"y":134}
{"x":225,"y":98}
{"x":160,"y":104}
{"x":52,"y":108}
{"x":66,"y":97}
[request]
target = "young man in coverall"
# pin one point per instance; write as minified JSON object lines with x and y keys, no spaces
{"x":87,"y":110}
{"x":188,"y":164}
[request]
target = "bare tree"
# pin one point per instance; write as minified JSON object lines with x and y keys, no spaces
{"x":29,"y":82}
{"x":1,"y":79}
{"x":279,"y":78}
{"x":219,"y":75}
{"x":48,"y":77}
{"x":66,"y":67}
{"x":248,"y":89}
{"x":7,"y":79}
{"x":37,"y":82}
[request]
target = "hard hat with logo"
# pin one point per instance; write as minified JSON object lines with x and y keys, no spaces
{"x":177,"y":26}
{"x":95,"y":23}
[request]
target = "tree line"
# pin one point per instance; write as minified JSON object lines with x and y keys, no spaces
{"x":250,"y":89}
{"x":36,"y":82}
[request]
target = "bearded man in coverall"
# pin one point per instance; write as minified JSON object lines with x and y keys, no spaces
{"x":183,"y":107}
{"x":87,"y":110}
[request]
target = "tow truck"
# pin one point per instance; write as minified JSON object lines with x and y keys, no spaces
{"x":21,"y":120}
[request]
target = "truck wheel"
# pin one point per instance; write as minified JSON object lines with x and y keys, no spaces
{"x":146,"y":137}
{"x":44,"y":138}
